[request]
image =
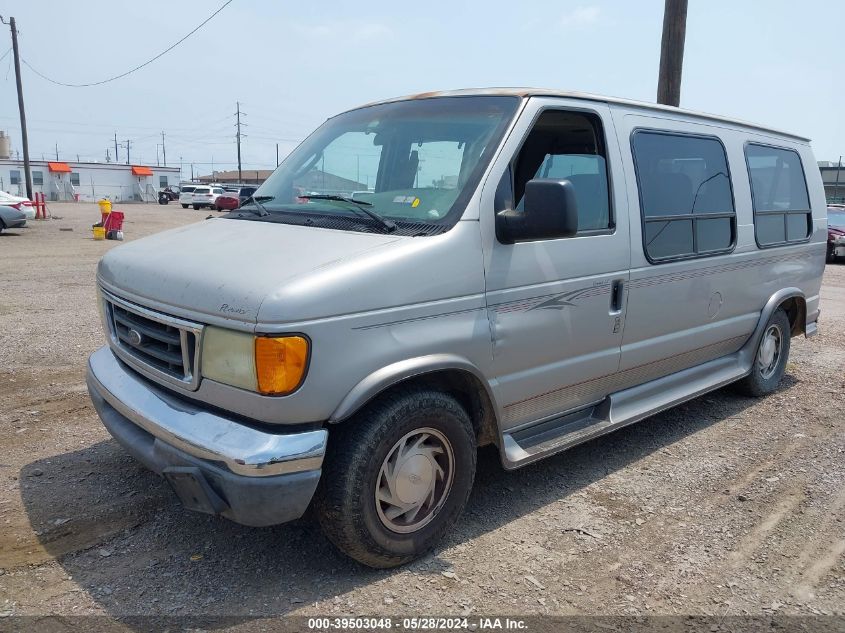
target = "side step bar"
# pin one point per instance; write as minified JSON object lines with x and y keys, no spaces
{"x":527,"y":445}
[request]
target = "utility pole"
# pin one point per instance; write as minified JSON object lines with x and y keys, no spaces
{"x":116,"y":155}
{"x":163,"y":150}
{"x":24,"y":137}
{"x":238,"y":115}
{"x":672,"y":52}
{"x":836,"y":186}
{"x":57,"y":152}
{"x":277,"y":154}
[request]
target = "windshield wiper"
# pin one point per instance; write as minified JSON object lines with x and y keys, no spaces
{"x":389,"y":225}
{"x":260,"y":210}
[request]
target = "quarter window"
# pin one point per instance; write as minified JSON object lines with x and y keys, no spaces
{"x":685,"y":195}
{"x":779,"y":197}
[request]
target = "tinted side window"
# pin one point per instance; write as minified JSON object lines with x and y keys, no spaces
{"x":685,"y":195}
{"x":568,"y":145}
{"x":779,"y":195}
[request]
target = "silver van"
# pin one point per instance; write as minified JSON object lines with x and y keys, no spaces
{"x":528,"y":268}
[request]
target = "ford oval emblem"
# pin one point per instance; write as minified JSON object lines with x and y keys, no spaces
{"x":135,"y":338}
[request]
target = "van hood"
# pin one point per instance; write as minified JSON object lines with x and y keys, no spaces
{"x":225,"y":268}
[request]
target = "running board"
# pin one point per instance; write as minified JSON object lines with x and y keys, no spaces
{"x":526,"y":445}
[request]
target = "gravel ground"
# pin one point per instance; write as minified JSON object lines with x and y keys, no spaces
{"x":725,"y":505}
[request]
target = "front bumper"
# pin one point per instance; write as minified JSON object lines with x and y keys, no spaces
{"x":214,"y":464}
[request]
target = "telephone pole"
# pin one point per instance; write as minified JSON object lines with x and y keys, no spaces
{"x":238,"y":115}
{"x":672,"y":52}
{"x":116,"y":155}
{"x":57,"y":152}
{"x":126,"y":145}
{"x":24,"y":137}
{"x":277,"y":154}
{"x":163,"y":150}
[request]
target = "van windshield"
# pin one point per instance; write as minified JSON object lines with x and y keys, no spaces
{"x":416,"y":162}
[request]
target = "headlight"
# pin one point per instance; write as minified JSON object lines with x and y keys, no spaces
{"x":270,"y":365}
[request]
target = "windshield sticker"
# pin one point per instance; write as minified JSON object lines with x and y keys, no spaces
{"x":412,"y":200}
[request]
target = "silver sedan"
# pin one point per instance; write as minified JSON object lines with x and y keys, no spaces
{"x":11,"y":218}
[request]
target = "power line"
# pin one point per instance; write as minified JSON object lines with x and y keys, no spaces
{"x":3,"y":56}
{"x":139,"y":67}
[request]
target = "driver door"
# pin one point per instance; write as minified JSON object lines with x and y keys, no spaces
{"x":556,"y":307}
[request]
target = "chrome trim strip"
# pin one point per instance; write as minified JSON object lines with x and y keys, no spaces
{"x":191,"y":363}
{"x":198,"y":432}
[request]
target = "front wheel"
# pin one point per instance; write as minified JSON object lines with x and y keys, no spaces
{"x":770,"y":360}
{"x":396,"y":477}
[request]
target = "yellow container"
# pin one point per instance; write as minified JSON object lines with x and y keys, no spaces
{"x":99,"y":232}
{"x":105,"y":206}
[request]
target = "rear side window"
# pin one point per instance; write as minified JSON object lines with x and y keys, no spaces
{"x":779,"y":195}
{"x":685,"y":195}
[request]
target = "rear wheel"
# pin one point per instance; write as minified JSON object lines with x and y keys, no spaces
{"x":397,"y":476}
{"x":770,"y":360}
{"x":196,"y":207}
{"x":184,"y":206}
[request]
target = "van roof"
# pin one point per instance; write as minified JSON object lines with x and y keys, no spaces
{"x":545,"y":92}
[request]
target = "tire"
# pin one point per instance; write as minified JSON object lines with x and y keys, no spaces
{"x":196,"y":207}
{"x":184,"y":206}
{"x":766,"y":376}
{"x":357,"y":465}
{"x":163,"y":200}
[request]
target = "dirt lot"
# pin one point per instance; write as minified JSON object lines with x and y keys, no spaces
{"x":725,"y":505}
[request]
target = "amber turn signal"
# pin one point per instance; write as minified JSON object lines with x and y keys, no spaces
{"x":280,"y":363}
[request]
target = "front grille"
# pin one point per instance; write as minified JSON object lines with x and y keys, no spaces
{"x":160,"y":344}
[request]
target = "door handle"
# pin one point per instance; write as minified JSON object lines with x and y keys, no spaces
{"x":617,"y":293}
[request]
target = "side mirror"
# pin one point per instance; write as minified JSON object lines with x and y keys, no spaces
{"x":551,"y":212}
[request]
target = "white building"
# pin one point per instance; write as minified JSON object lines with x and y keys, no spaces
{"x":71,"y":181}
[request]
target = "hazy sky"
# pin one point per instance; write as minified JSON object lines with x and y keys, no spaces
{"x":293,"y":64}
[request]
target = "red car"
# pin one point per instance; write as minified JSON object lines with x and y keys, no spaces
{"x":228,"y":201}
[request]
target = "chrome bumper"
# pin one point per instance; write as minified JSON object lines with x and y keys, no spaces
{"x":198,"y":432}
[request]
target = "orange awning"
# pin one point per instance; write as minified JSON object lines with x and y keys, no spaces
{"x":141,"y":171}
{"x":61,"y":168}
